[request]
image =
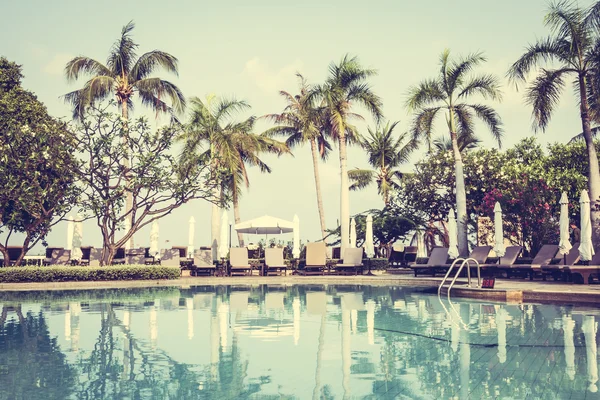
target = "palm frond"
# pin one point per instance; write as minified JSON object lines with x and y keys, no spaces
{"x":422,"y":125}
{"x":545,"y":50}
{"x":458,"y":70}
{"x":544,"y":96}
{"x":123,"y":52}
{"x":485,"y":85}
{"x":428,"y":92}
{"x":148,"y":62}
{"x":491,"y":118}
{"x":464,"y":120}
{"x":360,"y":178}
{"x":85,"y":66}
{"x":152,"y":91}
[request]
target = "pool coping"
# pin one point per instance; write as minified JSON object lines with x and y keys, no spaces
{"x":574,"y":294}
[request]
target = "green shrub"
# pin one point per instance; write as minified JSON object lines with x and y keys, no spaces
{"x":79,"y":274}
{"x":376,"y":264}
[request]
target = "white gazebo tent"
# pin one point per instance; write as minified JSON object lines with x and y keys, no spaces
{"x":265,"y":225}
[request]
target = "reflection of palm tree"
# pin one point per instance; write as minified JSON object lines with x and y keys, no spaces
{"x":319,"y":357}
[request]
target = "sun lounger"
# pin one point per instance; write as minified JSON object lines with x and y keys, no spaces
{"x":316,"y":258}
{"x":352,"y":262}
{"x":59,"y":256}
{"x":274,"y":264}
{"x":506,"y":261}
{"x":95,"y":257}
{"x":585,"y":272}
{"x":437,"y":258}
{"x":203,"y":262}
{"x":169,"y":258}
{"x":238,"y":261}
{"x":557,"y":270}
{"x":543,"y":257}
{"x":479,"y":254}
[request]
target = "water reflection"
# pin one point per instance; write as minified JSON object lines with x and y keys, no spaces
{"x":292,"y":341}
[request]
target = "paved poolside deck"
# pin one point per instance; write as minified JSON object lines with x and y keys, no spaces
{"x":512,"y":291}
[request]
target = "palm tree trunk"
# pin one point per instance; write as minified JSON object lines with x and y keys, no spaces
{"x":344,"y":197}
{"x":594,"y":170}
{"x":236,"y":217}
{"x":315,"y":156}
{"x":127,"y":165}
{"x":461,"y":196}
{"x":214,"y":227}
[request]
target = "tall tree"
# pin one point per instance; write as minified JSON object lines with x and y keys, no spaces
{"x":449,"y":93}
{"x":124,"y":75}
{"x":385,"y":155}
{"x":574,"y":48}
{"x":231,"y":146}
{"x":302,"y":121}
{"x":158,"y":181}
{"x":346,"y":86}
{"x":36,"y":165}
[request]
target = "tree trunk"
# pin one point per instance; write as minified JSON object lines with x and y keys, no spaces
{"x":344,"y":198}
{"x":108,"y":254}
{"x":127,"y":165}
{"x":5,"y":255}
{"x":461,"y":196}
{"x":315,"y":156}
{"x":594,"y":171}
{"x":24,"y":250}
{"x":236,"y":217}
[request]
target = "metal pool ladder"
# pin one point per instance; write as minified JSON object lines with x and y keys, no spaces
{"x":462,"y":261}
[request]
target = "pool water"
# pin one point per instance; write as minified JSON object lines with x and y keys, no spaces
{"x":291,"y":342}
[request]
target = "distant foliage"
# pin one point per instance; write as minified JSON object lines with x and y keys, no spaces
{"x":526,"y":180}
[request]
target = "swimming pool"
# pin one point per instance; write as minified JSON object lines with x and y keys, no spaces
{"x":294,"y":341}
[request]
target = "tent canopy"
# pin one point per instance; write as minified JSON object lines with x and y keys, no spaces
{"x":265,"y":225}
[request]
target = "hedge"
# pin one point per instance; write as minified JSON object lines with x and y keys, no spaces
{"x":79,"y":274}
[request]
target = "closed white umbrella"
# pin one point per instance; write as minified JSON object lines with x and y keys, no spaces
{"x":498,"y":231}
{"x":296,"y":248}
{"x":76,"y":253}
{"x":369,"y":246}
{"x":452,"y":235}
{"x":421,"y":249}
{"x":191,"y":231}
{"x":586,"y":249}
{"x":564,"y":245}
{"x":353,"y":233}
{"x":154,"y":236}
{"x":70,"y":228}
{"x":223,"y":242}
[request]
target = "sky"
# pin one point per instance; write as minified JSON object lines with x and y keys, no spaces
{"x":251,"y":50}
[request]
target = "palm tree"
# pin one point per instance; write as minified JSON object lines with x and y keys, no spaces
{"x":231,"y":146}
{"x":346,"y":86}
{"x":574,"y":48}
{"x":301,"y":121}
{"x":124,"y":75}
{"x":449,"y":92}
{"x":385,"y":155}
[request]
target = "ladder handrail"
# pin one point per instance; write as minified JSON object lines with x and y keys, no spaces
{"x":468,"y":273}
{"x":463,"y":262}
{"x":448,"y":273}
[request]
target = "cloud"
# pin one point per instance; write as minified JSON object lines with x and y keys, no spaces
{"x":56,"y":66}
{"x":268,"y":80}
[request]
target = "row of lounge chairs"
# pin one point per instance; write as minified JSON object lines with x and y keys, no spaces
{"x":545,"y":263}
